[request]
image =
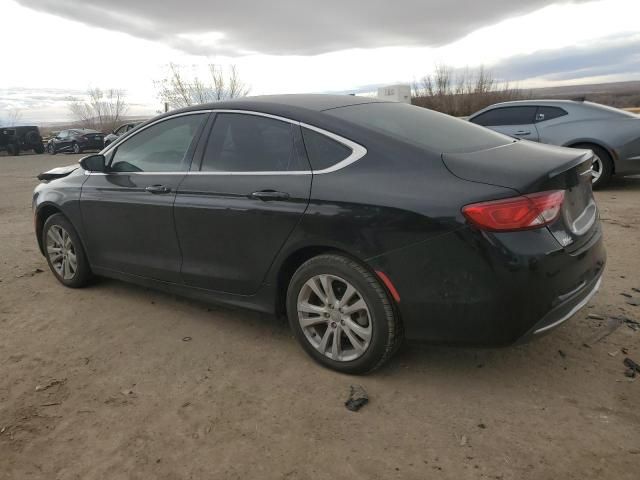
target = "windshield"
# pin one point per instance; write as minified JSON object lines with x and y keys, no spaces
{"x":422,"y":127}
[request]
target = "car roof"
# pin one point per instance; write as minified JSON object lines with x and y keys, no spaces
{"x":536,"y":103}
{"x":84,"y":130}
{"x":292,"y":105}
{"x":574,"y":106}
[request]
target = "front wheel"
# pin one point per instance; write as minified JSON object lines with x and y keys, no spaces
{"x":76,"y":148}
{"x":51,"y":149}
{"x":64,"y":252}
{"x":341,"y":315}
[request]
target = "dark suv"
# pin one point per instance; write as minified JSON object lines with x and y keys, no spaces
{"x":18,"y":139}
{"x":76,"y":140}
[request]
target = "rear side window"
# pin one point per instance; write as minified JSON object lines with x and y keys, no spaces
{"x":549,"y":113}
{"x":251,"y":143}
{"x":323,"y":152}
{"x":422,"y":127}
{"x":506,"y":116}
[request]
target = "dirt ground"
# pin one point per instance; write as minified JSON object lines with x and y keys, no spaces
{"x":103,"y":383}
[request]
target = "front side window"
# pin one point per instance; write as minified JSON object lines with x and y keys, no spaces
{"x":122,"y":129}
{"x":251,"y":143}
{"x":159,"y":148}
{"x":506,"y":116}
{"x":323,"y":152}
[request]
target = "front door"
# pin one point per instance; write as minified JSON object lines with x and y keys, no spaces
{"x":62,"y":141}
{"x":128,"y":212}
{"x":235,"y":211}
{"x":517,"y":122}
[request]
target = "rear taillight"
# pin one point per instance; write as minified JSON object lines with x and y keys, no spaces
{"x":517,"y":213}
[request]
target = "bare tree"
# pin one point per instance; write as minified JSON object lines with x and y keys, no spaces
{"x":462,"y":92}
{"x":14,"y":115}
{"x":102,"y":110}
{"x":178,"y":89}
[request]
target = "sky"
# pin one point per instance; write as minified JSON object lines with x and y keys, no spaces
{"x":59,"y":48}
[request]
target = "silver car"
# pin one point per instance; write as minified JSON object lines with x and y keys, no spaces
{"x":612,"y":134}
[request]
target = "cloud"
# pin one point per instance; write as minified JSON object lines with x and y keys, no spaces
{"x":619,"y":55}
{"x":288,"y":27}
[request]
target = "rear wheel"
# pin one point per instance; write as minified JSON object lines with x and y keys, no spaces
{"x":64,"y":252}
{"x":342,"y":315}
{"x":38,"y":149}
{"x":602,"y":167}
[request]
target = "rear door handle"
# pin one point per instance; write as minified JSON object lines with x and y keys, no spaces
{"x":522,"y":132}
{"x":267,"y":195}
{"x":158,"y":189}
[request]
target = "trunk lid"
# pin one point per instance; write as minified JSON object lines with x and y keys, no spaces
{"x":529,"y":167}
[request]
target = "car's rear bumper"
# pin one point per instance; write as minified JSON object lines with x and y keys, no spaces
{"x":564,"y":311}
{"x":470,"y":287}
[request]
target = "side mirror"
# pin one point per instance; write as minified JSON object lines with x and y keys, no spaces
{"x":94,"y":163}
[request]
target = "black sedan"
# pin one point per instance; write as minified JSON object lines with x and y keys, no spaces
{"x":76,"y":140}
{"x":363,"y":221}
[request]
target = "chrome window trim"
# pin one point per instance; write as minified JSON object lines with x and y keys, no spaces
{"x":357,"y":150}
{"x":117,"y":142}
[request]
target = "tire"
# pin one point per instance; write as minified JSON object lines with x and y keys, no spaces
{"x":39,"y":149}
{"x":51,"y":148}
{"x":378,"y":317}
{"x":605,"y":164}
{"x":76,"y":148}
{"x":31,"y":137}
{"x":13,"y":149}
{"x":53,"y":242}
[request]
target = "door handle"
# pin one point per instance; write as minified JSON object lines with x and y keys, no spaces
{"x":266,"y":195}
{"x":158,"y":189}
{"x":522,"y":132}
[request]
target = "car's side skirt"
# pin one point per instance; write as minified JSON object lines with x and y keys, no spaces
{"x":262,"y":301}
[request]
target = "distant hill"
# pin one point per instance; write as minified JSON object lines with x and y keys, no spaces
{"x":618,"y":94}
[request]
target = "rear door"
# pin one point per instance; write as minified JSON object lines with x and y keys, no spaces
{"x":238,"y":206}
{"x":518,"y":122}
{"x":128,"y":212}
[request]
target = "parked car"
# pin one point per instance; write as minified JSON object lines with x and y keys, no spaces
{"x":121,"y":130}
{"x":19,"y":139}
{"x":364,"y":221}
{"x":612,"y":134}
{"x":76,"y":140}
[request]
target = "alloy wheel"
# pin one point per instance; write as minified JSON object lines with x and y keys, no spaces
{"x":61,"y":252}
{"x":596,"y":169}
{"x":334,"y":317}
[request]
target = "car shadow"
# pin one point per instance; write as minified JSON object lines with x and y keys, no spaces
{"x":414,"y":361}
{"x":621,"y":183}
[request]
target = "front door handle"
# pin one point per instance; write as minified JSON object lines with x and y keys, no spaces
{"x":267,"y":195}
{"x":522,"y":133}
{"x":158,"y":189}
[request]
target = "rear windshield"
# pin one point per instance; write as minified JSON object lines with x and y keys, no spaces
{"x":611,"y":110}
{"x":420,"y":126}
